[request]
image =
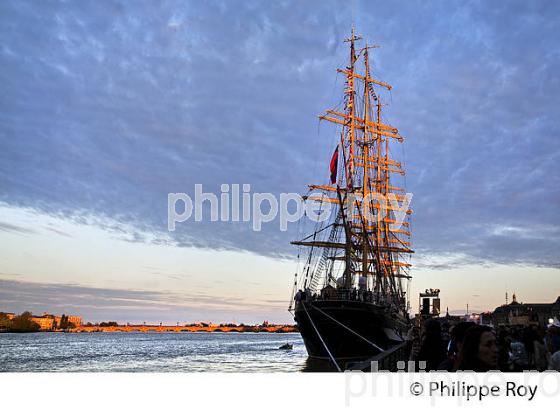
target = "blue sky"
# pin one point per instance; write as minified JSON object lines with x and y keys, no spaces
{"x":106,"y":107}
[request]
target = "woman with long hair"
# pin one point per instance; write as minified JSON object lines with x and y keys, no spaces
{"x":479,"y":352}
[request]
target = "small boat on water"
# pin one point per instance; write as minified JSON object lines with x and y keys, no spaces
{"x":286,"y":346}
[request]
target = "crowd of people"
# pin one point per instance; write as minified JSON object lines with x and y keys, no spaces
{"x":469,"y":346}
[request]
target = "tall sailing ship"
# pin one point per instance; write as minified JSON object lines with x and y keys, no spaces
{"x":350,"y":300}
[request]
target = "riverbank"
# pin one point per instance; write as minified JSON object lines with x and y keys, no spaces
{"x":208,"y":329}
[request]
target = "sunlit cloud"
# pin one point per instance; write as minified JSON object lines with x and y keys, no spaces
{"x":107,"y":108}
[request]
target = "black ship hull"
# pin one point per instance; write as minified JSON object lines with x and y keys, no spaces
{"x":378,"y":328}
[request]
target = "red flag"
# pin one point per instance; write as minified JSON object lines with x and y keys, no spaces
{"x":334,"y":165}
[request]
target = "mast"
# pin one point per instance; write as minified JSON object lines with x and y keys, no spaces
{"x":365,"y":160}
{"x":349,"y":163}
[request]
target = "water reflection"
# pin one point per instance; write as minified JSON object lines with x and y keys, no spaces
{"x":313,"y":365}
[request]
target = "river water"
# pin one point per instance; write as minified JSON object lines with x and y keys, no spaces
{"x":152,"y":352}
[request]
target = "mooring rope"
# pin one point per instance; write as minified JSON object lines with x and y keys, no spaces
{"x":320,"y":338}
{"x":347,"y":328}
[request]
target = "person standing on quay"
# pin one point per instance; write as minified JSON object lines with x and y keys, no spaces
{"x":433,"y":348}
{"x":480,"y":352}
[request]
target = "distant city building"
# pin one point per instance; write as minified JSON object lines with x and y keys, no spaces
{"x":48,"y":321}
{"x":525,"y":314}
{"x":486,"y":318}
{"x":75,"y":320}
{"x":44,"y":322}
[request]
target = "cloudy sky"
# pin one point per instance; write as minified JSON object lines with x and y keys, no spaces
{"x":106,"y":107}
